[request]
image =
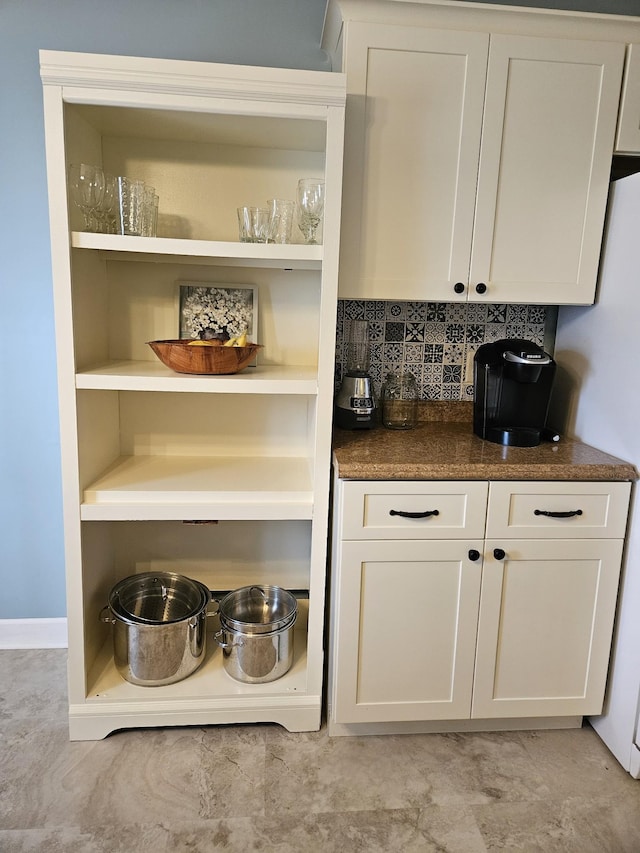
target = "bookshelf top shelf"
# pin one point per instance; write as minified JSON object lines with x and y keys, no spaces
{"x":157,"y":249}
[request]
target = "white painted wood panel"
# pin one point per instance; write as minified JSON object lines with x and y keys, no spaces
{"x":545,"y":626}
{"x":433,"y":200}
{"x":407,"y":623}
{"x":456,"y":510}
{"x":547,"y":137}
{"x":413,"y":135}
{"x":578,"y":510}
{"x":628,"y":136}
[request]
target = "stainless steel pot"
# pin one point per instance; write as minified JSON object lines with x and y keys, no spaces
{"x":259,"y":609}
{"x":159,"y":627}
{"x":256,"y":658}
{"x":157,"y":597}
{"x":256,"y":633}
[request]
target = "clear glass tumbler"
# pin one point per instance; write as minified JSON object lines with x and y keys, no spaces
{"x":281,"y":211}
{"x":149,"y":211}
{"x":129,"y":206}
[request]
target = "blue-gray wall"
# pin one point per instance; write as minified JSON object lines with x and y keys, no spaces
{"x":251,"y":32}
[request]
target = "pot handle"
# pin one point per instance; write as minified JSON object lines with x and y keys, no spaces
{"x":218,"y":638}
{"x":103,"y":615}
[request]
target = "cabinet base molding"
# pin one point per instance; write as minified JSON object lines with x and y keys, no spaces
{"x":417,"y":727}
{"x":33,"y":633}
{"x":87,"y":723}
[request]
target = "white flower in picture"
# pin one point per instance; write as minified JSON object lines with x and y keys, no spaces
{"x":208,"y":312}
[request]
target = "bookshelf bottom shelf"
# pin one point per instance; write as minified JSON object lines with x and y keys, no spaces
{"x":209,"y":696}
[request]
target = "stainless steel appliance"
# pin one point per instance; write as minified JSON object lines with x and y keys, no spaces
{"x":355,"y":403}
{"x":512,"y":389}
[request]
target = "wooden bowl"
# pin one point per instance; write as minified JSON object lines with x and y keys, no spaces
{"x":183,"y":358}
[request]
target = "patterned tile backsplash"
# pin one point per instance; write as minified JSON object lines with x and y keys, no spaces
{"x":436,"y":341}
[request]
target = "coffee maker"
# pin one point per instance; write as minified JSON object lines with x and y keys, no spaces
{"x":354,"y":404}
{"x":512,"y":389}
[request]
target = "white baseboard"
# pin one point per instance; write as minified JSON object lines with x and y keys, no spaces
{"x":33,"y":633}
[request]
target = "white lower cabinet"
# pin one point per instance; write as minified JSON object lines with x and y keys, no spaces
{"x":451,"y":616}
{"x":407,"y":628}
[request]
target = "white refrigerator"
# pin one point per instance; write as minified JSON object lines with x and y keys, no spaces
{"x":597,"y":399}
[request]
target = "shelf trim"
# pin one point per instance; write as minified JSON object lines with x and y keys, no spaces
{"x":216,"y":510}
{"x":153,"y":376}
{"x":281,"y":255}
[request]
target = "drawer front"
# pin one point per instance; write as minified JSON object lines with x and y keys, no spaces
{"x":413,"y":510}
{"x":553,"y":510}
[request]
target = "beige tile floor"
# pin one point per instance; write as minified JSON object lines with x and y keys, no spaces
{"x":260,"y":788}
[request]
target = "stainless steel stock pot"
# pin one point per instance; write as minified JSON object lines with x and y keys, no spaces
{"x":256,"y":633}
{"x":159,"y":627}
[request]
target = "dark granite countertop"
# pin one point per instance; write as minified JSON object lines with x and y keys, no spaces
{"x":444,"y":447}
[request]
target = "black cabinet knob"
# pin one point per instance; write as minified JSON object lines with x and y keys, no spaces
{"x":474,"y":555}
{"x":458,"y":287}
{"x":481,"y":287}
{"x":499,"y":554}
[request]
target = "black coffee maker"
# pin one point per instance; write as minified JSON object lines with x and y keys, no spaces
{"x":512,"y":388}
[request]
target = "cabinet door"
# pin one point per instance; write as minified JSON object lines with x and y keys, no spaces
{"x":628,"y":138}
{"x":406,"y":631}
{"x":414,"y":115}
{"x":545,"y":625}
{"x":547,"y":138}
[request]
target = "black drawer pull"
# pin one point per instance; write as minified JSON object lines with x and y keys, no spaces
{"x":474,"y":555}
{"x":499,"y":554}
{"x":569,"y":514}
{"x":426,"y":514}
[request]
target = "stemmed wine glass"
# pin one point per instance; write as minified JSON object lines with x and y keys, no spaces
{"x":87,"y":191}
{"x":310,"y":207}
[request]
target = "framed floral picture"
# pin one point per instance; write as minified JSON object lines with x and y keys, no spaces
{"x":208,"y":311}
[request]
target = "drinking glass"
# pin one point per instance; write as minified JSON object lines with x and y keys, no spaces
{"x":254,"y":224}
{"x":400,"y":401}
{"x":260,"y":224}
{"x":106,"y":211}
{"x":86,"y":183}
{"x":129,"y":205}
{"x":243,"y":224}
{"x":281,"y":212}
{"x":310,"y":207}
{"x":149,"y":211}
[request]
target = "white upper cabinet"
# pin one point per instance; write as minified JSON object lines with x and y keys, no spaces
{"x":477,"y":163}
{"x":414,"y":123}
{"x":628,"y":138}
{"x":549,"y":119}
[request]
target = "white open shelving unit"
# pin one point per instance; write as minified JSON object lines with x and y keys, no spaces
{"x":146,"y":451}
